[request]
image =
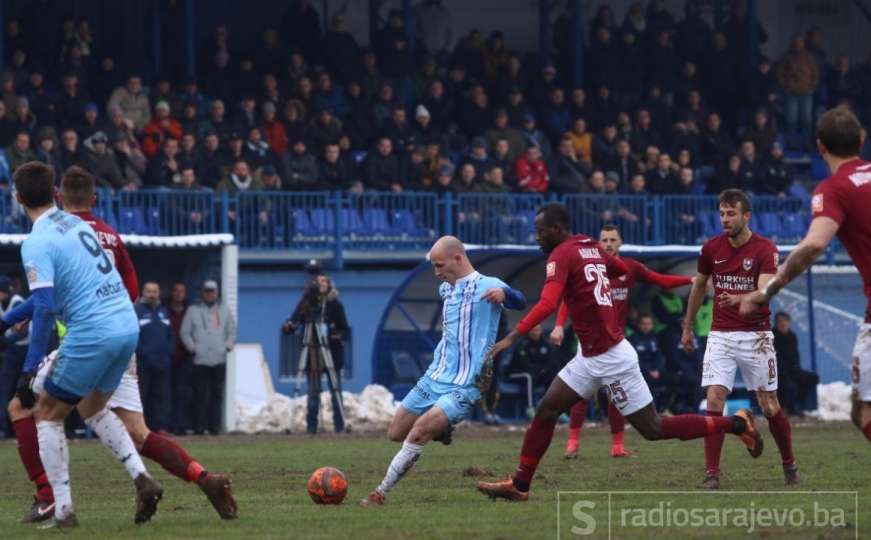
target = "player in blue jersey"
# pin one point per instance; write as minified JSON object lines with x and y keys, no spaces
{"x":448,"y":391}
{"x":71,"y":278}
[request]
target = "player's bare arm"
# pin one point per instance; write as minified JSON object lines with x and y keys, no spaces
{"x":729,"y":300}
{"x":815,"y":242}
{"x":697,"y":296}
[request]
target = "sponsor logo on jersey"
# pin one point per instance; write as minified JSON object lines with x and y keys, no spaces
{"x":748,"y":264}
{"x":817,"y":203}
{"x":551,"y":269}
{"x":590,"y":253}
{"x":859,"y":179}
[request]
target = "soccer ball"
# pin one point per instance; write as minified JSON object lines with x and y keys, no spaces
{"x":327,"y":486}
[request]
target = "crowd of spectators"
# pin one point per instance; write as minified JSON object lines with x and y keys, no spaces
{"x":670,"y":105}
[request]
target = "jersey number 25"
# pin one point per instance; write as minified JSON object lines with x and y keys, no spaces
{"x":599,"y":274}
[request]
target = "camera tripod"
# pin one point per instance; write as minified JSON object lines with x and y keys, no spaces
{"x":315,"y":340}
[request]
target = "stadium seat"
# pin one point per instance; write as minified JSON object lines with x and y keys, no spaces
{"x":153,"y":222}
{"x":132,"y":220}
{"x":302,"y":226}
{"x":279,"y":235}
{"x":405,"y":224}
{"x":376,"y":222}
{"x":351,"y":222}
{"x":769,"y":225}
{"x":794,"y":225}
{"x":322,"y":221}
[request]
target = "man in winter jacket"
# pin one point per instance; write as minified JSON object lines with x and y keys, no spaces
{"x":153,"y":357}
{"x":208,"y":330}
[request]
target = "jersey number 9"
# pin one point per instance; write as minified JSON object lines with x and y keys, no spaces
{"x":94,"y":248}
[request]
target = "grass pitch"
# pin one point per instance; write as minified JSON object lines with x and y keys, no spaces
{"x":436,"y":500}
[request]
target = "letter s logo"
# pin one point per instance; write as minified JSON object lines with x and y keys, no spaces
{"x":586,"y":519}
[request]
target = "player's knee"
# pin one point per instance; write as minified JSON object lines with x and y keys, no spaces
{"x":650,"y":432}
{"x":418,"y":435}
{"x":395,"y":435}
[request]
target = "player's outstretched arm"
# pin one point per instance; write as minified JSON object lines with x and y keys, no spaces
{"x":697,"y":295}
{"x":666,"y":281}
{"x":506,"y":297}
{"x":815,"y":242}
{"x":43,"y":324}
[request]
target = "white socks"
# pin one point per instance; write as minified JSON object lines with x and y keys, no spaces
{"x":112,"y":433}
{"x":55,"y":456}
{"x":402,"y":462}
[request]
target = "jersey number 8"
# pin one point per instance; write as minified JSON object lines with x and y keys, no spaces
{"x":598,"y":273}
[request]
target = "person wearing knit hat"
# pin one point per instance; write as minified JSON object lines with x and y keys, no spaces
{"x":421,"y":111}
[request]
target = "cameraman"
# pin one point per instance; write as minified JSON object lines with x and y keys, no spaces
{"x":320,"y":305}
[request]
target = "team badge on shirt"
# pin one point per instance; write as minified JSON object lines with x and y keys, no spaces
{"x":748,"y":264}
{"x":32,"y":273}
{"x":817,"y":203}
{"x":551,"y":269}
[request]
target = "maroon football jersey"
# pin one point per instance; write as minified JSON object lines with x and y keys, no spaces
{"x":582,"y":266}
{"x":736,"y":271}
{"x":846,"y":198}
{"x":111,"y":242}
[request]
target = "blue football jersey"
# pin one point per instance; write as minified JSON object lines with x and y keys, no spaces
{"x":63,"y":252}
{"x":469,"y":326}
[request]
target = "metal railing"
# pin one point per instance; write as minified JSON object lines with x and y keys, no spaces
{"x":369,"y":221}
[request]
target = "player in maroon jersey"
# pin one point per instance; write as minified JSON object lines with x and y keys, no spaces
{"x":78,"y":197}
{"x":611,"y":241}
{"x":578,"y":272}
{"x":738,"y":261}
{"x":841,"y":206}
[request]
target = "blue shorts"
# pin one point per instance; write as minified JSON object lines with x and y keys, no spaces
{"x":455,"y":400}
{"x":85,"y":365}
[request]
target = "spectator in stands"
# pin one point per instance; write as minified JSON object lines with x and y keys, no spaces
{"x":517,"y":108}
{"x":162,"y":91}
{"x":532,"y":174}
{"x":650,"y":358}
{"x":795,"y":385}
{"x":466,"y":181}
{"x":216,"y":122}
{"x":133,"y":102}
{"x":182,"y":367}
{"x":476,"y":116}
{"x":188,"y":182}
{"x":89,"y":122}
{"x":391,"y":45}
{"x":535,"y":137}
{"x":70,"y":153}
{"x":761,"y":133}
{"x":623,"y":163}
{"x":504,"y":160}
{"x":477,"y":157}
{"x":644,"y":134}
{"x":569,"y":172}
{"x":582,"y":141}
{"x":20,"y":152}
{"x":70,"y":103}
{"x":326,"y":129}
{"x":339,"y":47}
{"x":153,"y":357}
{"x":693,"y":33}
{"x":302,"y":167}
{"x":501,"y":129}
{"x":327,"y":96}
{"x":188,"y":151}
{"x":381,"y":169}
{"x":238,"y":179}
{"x":778,"y":175}
{"x":208,"y":331}
{"x":208,"y":163}
{"x":256,"y":150}
{"x":533,"y":355}
{"x":233,"y":152}
{"x":47,"y":149}
{"x":752,"y":168}
{"x":273,"y":130}
{"x":685,"y":185}
{"x":685,"y":136}
{"x":762,"y":90}
{"x":637,"y":185}
{"x":444,"y":179}
{"x":662,"y":61}
{"x":120,"y":125}
{"x":399,"y":130}
{"x":728,"y":176}
{"x":716,"y":145}
{"x":433,"y":26}
{"x":161,"y":126}
{"x":100,"y":162}
{"x":163,"y":170}
{"x":662,"y":180}
{"x":694,"y":109}
{"x":843,"y":84}
{"x":799,"y":76}
{"x":24,"y":119}
{"x":333,"y":172}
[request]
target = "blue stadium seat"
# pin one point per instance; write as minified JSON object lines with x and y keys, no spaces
{"x":302,"y":226}
{"x":376,"y":221}
{"x":132,"y":220}
{"x":769,"y":225}
{"x":794,"y":225}
{"x":404,"y":223}
{"x":524,"y":226}
{"x":797,"y":190}
{"x":352,"y":223}
{"x":279,"y":235}
{"x":323,"y":221}
{"x":152,"y":220}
